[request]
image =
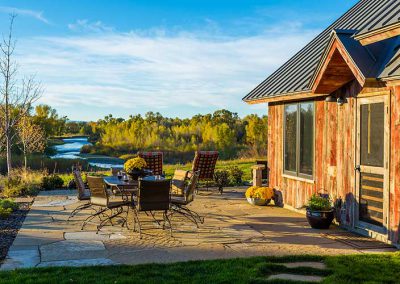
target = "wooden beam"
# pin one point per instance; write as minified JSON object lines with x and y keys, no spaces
{"x":286,"y":98}
{"x":379,"y":35}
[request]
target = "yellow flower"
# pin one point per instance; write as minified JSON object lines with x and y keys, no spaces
{"x":260,"y":192}
{"x":135,"y":164}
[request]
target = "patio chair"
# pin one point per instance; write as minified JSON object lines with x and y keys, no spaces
{"x":178,"y":182}
{"x":180,"y":203}
{"x":204,"y":162}
{"x":153,"y":196}
{"x":101,"y":200}
{"x":83,"y":194}
{"x":154,"y":161}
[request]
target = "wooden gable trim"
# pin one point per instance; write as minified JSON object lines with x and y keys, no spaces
{"x":336,"y":45}
{"x":287,"y":98}
{"x":379,"y":35}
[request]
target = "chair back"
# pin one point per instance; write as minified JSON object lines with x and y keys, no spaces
{"x":114,"y":171}
{"x":83,"y":192}
{"x":204,"y":162}
{"x":154,"y":161}
{"x":178,"y":183}
{"x":98,"y":190}
{"x":190,"y":189}
{"x":154,"y":195}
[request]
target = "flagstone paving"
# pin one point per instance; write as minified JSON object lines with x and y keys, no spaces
{"x":232,"y":228}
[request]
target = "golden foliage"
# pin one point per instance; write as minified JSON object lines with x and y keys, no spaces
{"x":135,"y":164}
{"x":260,"y":192}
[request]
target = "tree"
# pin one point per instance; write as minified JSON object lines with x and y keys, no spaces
{"x":16,"y":97}
{"x":49,"y":120}
{"x":31,"y":136}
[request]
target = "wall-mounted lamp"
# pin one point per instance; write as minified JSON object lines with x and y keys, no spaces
{"x":330,"y":99}
{"x":341,"y":101}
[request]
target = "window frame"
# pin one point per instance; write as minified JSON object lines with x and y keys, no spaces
{"x":298,"y":123}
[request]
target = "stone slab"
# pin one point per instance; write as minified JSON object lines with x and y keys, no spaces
{"x":72,"y":249}
{"x":36,"y":238}
{"x":294,"y":277}
{"x":84,"y":235}
{"x":21,"y":259}
{"x":78,"y":262}
{"x":316,"y":265}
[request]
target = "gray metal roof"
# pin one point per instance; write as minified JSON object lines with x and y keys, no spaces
{"x":295,"y":75}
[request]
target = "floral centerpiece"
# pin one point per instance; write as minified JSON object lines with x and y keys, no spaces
{"x":259,"y":195}
{"x":134,"y":167}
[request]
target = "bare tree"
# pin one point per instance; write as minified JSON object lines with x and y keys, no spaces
{"x":31,"y":137}
{"x":16,"y":96}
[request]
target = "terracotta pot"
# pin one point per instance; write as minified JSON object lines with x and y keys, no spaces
{"x":258,"y":201}
{"x":320,"y":219}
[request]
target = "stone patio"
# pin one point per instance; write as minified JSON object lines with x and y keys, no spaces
{"x":232,"y":228}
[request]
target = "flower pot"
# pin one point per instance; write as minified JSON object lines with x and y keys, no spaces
{"x":258,"y":201}
{"x":136,"y":174}
{"x":320,"y":219}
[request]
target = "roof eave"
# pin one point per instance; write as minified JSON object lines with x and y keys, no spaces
{"x":378,"y":34}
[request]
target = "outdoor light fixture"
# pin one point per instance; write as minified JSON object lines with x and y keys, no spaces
{"x":330,"y":99}
{"x":341,"y":101}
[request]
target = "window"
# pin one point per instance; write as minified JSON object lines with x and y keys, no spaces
{"x":299,"y":139}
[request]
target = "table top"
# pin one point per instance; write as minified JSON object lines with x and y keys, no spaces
{"x":115,"y":181}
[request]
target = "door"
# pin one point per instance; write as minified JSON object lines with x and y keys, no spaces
{"x":372,"y":163}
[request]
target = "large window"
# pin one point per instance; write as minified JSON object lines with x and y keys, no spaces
{"x":299,"y":139}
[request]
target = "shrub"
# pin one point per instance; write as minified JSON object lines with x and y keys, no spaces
{"x":319,"y":203}
{"x":7,"y":206}
{"x":134,"y":164}
{"x":52,"y":182}
{"x":86,"y":149}
{"x":21,"y":183}
{"x":221,"y":178}
{"x":236,"y":175}
{"x":126,"y":157}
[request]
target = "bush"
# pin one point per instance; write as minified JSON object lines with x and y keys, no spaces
{"x":319,"y":203}
{"x":21,"y":183}
{"x":7,"y":206}
{"x":236,"y":175}
{"x":221,"y":178}
{"x":265,"y":193}
{"x":86,"y":149}
{"x":52,"y":182}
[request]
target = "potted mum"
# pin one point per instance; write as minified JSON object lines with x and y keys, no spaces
{"x":259,"y":195}
{"x":134,"y":167}
{"x":320,"y":212}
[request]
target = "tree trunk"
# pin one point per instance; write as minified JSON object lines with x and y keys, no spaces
{"x":8,"y":146}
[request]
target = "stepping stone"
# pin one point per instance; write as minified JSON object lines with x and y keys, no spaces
{"x":295,"y":277}
{"x":86,"y":236}
{"x":72,"y":249}
{"x":21,"y":259}
{"x":78,"y":262}
{"x":317,"y":265}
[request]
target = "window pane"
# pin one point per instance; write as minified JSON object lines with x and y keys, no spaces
{"x":290,"y":137}
{"x":372,"y":134}
{"x":306,"y":138}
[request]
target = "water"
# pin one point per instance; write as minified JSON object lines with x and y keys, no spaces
{"x":71,"y":150}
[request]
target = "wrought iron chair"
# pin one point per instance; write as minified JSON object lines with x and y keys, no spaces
{"x":83,"y":194}
{"x":153,"y":196}
{"x":154,"y":161}
{"x":204,"y":163}
{"x":101,"y":200}
{"x":178,"y":182}
{"x":179,"y":204}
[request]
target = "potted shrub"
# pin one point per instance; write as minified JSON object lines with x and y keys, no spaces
{"x":259,"y":195}
{"x":134,"y":167}
{"x":221,"y":178}
{"x":320,"y":212}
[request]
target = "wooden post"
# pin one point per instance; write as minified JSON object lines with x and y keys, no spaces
{"x":257,"y":174}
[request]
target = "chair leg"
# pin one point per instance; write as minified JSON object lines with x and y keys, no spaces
{"x":79,"y":208}
{"x":136,"y":220}
{"x":91,"y":217}
{"x":168,"y":221}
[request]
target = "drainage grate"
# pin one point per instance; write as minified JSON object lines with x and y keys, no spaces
{"x":357,"y":241}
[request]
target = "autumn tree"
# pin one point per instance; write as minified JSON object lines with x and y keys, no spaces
{"x":16,"y":96}
{"x":32,"y":138}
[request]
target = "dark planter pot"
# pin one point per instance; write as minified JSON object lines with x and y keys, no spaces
{"x":136,"y":174}
{"x":320,"y":219}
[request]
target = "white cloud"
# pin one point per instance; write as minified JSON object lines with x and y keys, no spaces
{"x":38,"y":15}
{"x":166,"y":73}
{"x":86,"y":26}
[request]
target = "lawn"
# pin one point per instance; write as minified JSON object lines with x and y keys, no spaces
{"x":376,"y":268}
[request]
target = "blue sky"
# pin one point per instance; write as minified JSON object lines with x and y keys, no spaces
{"x":176,"y":57}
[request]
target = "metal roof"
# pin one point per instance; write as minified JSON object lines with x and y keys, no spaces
{"x":295,"y":75}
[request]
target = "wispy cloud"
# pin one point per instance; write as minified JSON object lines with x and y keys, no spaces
{"x":38,"y":15}
{"x":87,"y":26}
{"x":167,"y":73}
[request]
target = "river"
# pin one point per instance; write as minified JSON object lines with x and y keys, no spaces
{"x":71,"y":150}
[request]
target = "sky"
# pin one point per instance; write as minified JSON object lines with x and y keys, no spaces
{"x":179,"y":58}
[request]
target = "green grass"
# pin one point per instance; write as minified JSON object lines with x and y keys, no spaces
{"x":377,"y":268}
